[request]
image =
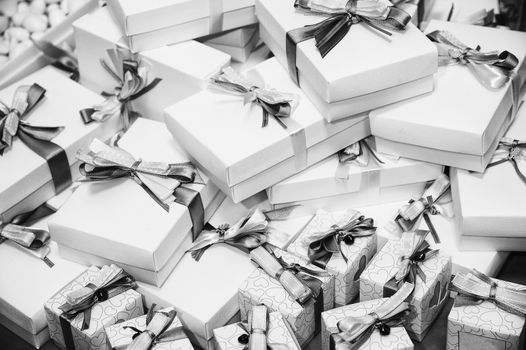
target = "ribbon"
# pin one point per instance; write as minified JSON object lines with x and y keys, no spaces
{"x":59,"y":57}
{"x":510,"y":150}
{"x":354,"y":154}
{"x":353,"y":332}
{"x":420,"y":8}
{"x":37,"y":138}
{"x":132,"y":77}
{"x":492,"y":69}
{"x":342,"y":15}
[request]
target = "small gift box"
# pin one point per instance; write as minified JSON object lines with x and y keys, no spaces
{"x":168,"y":211}
{"x":239,"y":54}
{"x":489,"y":207}
{"x":289,"y":285}
{"x":149,"y":25}
{"x":341,"y":83}
{"x":451,"y":127}
{"x":238,"y":43}
{"x":487,"y":314}
{"x":259,"y":54}
{"x":342,"y":243}
{"x":183,"y":68}
{"x":410,"y":259}
{"x":77,"y":314}
{"x":477,"y":12}
{"x":257,"y":153}
{"x":41,"y":131}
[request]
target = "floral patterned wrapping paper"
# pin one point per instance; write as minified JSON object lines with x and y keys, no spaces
{"x":260,"y":288}
{"x":428,"y":297}
{"x":485,"y":326}
{"x":397,"y":338}
{"x":346,"y":274}
{"x":226,"y":338}
{"x":124,"y":306}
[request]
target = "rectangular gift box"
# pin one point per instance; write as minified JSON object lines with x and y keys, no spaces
{"x":236,"y":38}
{"x":124,"y":306}
{"x":259,"y":54}
{"x":239,"y":54}
{"x":28,"y":182}
{"x":117,"y":221}
{"x":343,"y":83}
{"x":461,"y":11}
{"x":450,"y":125}
{"x":184,"y":68}
{"x":226,"y":139}
{"x":396,"y":339}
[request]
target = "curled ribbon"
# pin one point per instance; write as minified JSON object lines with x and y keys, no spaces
{"x":493,"y":69}
{"x":510,"y":150}
{"x":132,"y":77}
{"x":60,"y":58}
{"x":475,"y":287}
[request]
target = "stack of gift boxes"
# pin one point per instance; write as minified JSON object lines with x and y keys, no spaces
{"x":244,"y":174}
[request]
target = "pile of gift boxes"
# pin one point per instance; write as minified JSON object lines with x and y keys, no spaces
{"x":244,"y":174}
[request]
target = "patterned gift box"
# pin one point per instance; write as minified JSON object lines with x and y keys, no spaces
{"x":347,"y":274}
{"x":124,"y":306}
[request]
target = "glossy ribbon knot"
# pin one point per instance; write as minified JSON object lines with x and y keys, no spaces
{"x":35,"y":241}
{"x":355,"y":154}
{"x":493,"y":69}
{"x":510,"y":150}
{"x":60,"y":58}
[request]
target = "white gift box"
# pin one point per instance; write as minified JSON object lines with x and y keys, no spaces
{"x":153,"y":24}
{"x":184,"y":68}
{"x":226,"y":139}
{"x":28,"y":182}
{"x":118,"y":221}
{"x":236,"y":38}
{"x":451,"y":125}
{"x":344,"y":83}
{"x":259,"y":54}
{"x":239,"y":54}
{"x":464,"y":11}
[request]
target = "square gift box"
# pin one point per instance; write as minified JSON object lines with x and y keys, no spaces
{"x":117,"y":221}
{"x":451,"y":125}
{"x":237,"y":53}
{"x":26,"y":181}
{"x":239,"y":37}
{"x":387,"y":70}
{"x":226,"y":137}
{"x":183,"y":68}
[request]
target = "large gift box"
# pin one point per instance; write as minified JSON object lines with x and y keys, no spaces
{"x":28,"y":180}
{"x":450,"y":125}
{"x":118,"y":220}
{"x":226,"y":137}
{"x":343,"y":83}
{"x":152,"y":24}
{"x":183,"y":68}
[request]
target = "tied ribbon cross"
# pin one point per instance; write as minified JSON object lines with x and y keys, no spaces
{"x":510,"y":150}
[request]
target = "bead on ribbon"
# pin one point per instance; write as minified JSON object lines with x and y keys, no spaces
{"x":59,"y":57}
{"x":510,"y":150}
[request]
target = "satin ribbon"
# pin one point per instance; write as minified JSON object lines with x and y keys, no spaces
{"x":354,"y":154}
{"x":59,"y":57}
{"x":342,"y":15}
{"x":420,"y":8}
{"x":492,"y":69}
{"x":353,"y":332}
{"x":131,"y":75}
{"x":36,"y":138}
{"x":510,"y":150}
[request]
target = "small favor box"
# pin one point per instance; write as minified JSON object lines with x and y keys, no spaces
{"x":226,"y":137}
{"x":396,"y":339}
{"x":358,"y":254}
{"x":152,"y":24}
{"x":147,"y":240}
{"x":184,"y":68}
{"x":448,"y":126}
{"x":122,"y":307}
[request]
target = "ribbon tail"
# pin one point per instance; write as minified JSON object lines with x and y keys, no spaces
{"x":431,"y":227}
{"x":329,"y":35}
{"x":518,"y":171}
{"x":150,"y":193}
{"x":490,"y":76}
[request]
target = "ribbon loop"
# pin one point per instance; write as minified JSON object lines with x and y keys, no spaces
{"x":510,"y":150}
{"x":157,"y":330}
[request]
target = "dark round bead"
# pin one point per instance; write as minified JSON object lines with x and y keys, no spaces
{"x":101,"y":294}
{"x":421,"y":256}
{"x":243,"y":339}
{"x":385,"y":329}
{"x":349,"y":240}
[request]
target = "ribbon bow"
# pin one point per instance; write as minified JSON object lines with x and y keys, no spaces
{"x":354,"y":331}
{"x":132,"y":77}
{"x":61,"y":58}
{"x":510,"y":150}
{"x":355,"y":154}
{"x":475,"y":287}
{"x":248,"y":233}
{"x":274,"y":103}
{"x":492,"y":69}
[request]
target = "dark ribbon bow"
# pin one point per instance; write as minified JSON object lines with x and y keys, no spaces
{"x":512,"y":150}
{"x":37,"y":138}
{"x":493,"y":69}
{"x":475,"y":287}
{"x":329,"y":32}
{"x":59,"y":57}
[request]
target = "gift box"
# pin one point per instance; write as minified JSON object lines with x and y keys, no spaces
{"x":256,"y":157}
{"x":68,"y":333}
{"x":152,"y":25}
{"x":464,"y":11}
{"x":150,"y":245}
{"x":183,"y":68}
{"x":33,"y":181}
{"x":236,"y":37}
{"x":357,"y":251}
{"x":343,"y":84}
{"x":259,"y":54}
{"x":463,"y":132}
{"x":237,"y":53}
{"x":303,"y":315}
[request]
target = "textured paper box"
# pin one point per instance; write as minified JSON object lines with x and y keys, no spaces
{"x":28,"y":172}
{"x":428,"y":297}
{"x":450,"y":126}
{"x":124,"y":306}
{"x":397,"y":338}
{"x":254,"y":157}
